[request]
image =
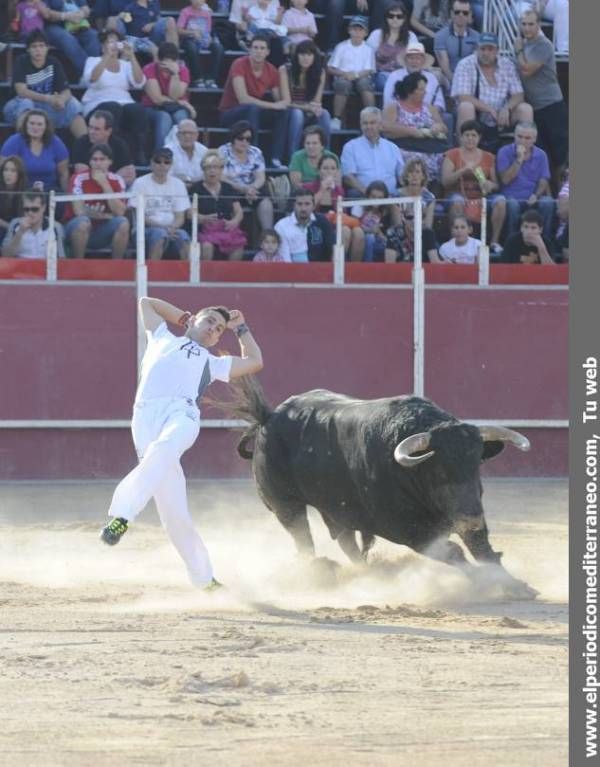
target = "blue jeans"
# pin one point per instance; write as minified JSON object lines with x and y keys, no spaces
{"x":162,"y":122}
{"x":544,"y":206}
{"x":75,"y":47}
{"x":101,"y":236}
{"x":298,"y":119}
{"x":60,"y":118}
{"x":156,"y":233}
{"x":193,"y":56}
{"x":275,"y":119}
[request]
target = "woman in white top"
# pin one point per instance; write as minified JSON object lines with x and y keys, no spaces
{"x":390,"y":42}
{"x":110,"y":79}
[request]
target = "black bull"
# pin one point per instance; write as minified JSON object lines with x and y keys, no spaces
{"x":400,"y":468}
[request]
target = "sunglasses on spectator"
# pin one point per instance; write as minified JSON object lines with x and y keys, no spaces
{"x":31,"y":210}
{"x":460,"y":13}
{"x":162,"y":161}
{"x":244,"y":138}
{"x":395,"y":15}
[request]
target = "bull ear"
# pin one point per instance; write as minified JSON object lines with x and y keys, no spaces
{"x":491,"y":449}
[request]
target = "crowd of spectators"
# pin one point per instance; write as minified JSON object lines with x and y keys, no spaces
{"x":460,"y":126}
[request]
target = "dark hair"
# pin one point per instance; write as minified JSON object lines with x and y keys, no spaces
{"x":415,"y":162}
{"x":461,"y":217}
{"x":240,"y":127}
{"x":377,"y":186}
{"x":270,"y":233}
{"x":462,"y":2}
{"x":326,"y":156}
{"x":317,"y":130}
{"x":32,"y":194}
{"x":103,"y":114}
{"x":304,"y":193}
{"x":168,"y":51}
{"x":11,"y":201}
{"x":106,"y":33}
{"x":263,"y":37}
{"x":474,"y":125}
{"x":37,"y":36}
{"x":48,"y":133}
{"x":404,"y":29}
{"x":403,"y":88}
{"x":532,"y":217}
{"x":223,"y":311}
{"x":104,"y":148}
{"x":313,"y":73}
{"x":434,"y":7}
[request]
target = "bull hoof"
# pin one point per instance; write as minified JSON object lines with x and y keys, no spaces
{"x":519,"y":590}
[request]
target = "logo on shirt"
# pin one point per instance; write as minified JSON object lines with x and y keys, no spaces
{"x":191,"y":348}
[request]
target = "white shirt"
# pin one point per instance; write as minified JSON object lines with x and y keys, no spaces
{"x":461,"y":254}
{"x":110,"y":86}
{"x":235,"y":14}
{"x":176,"y":366}
{"x":183,"y":166}
{"x":352,"y":58}
{"x":379,"y":161}
{"x":35,"y":244}
{"x":294,"y":242}
{"x":433,"y":90}
{"x":163,"y":201}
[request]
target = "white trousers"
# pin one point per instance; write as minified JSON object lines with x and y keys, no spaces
{"x":163,"y":429}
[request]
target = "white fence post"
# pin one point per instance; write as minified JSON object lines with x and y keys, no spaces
{"x":52,"y":252}
{"x":418,"y":301}
{"x":141,"y":273}
{"x":195,"y":245}
{"x":484,"y":251}
{"x":339,"y":256}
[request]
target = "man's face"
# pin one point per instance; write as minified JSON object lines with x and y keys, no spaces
{"x":530,"y":231}
{"x":530,"y":27}
{"x":414,"y":62}
{"x":38,"y":52}
{"x":487,"y":55}
{"x":461,"y":15}
{"x":303,"y":208}
{"x":99,"y":161}
{"x":33,"y":211}
{"x":206,"y":328}
{"x":525,"y":137}
{"x":187,"y":133}
{"x":371,"y":126}
{"x":259,"y":51}
{"x":97,"y":131}
{"x":160,"y":167}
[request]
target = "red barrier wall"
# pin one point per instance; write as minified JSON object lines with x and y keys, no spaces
{"x":68,"y":352}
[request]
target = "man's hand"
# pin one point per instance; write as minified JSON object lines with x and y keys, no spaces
{"x":236,"y":318}
{"x":100,"y":177}
{"x":521,"y":152}
{"x":519,"y":43}
{"x":25,"y":224}
{"x":504,"y":117}
{"x":532,"y":200}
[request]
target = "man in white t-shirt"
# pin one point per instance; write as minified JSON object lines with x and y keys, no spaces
{"x":166,"y":420}
{"x":352,"y":66}
{"x":187,"y":152}
{"x":166,"y":200}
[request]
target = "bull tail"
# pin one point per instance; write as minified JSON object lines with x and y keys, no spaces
{"x":249,"y":403}
{"x":368,"y":539}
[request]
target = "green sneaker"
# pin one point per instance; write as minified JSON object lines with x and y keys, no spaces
{"x":114,"y":531}
{"x":214,"y":585}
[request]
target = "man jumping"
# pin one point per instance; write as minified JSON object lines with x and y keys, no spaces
{"x":166,"y":421}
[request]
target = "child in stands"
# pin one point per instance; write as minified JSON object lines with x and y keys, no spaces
{"x":462,"y":248}
{"x":270,"y":242}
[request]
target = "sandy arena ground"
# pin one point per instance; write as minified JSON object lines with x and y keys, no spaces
{"x":110,"y":658}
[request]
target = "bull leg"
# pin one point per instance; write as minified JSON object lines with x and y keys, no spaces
{"x":295,"y":520}
{"x":478,"y":544}
{"x":444,"y":551}
{"x":347,"y":541}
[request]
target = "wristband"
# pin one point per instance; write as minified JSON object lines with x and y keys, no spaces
{"x":183,"y":320}
{"x":241,"y":329}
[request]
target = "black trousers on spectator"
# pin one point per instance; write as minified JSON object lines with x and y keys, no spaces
{"x":553,"y":131}
{"x":132,"y":122}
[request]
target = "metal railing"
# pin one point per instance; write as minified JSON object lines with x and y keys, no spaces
{"x":501,"y":17}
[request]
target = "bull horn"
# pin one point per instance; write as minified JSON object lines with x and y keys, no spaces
{"x":413,"y":444}
{"x":502,"y":434}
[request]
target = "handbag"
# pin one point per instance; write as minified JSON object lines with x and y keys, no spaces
{"x":170,"y":107}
